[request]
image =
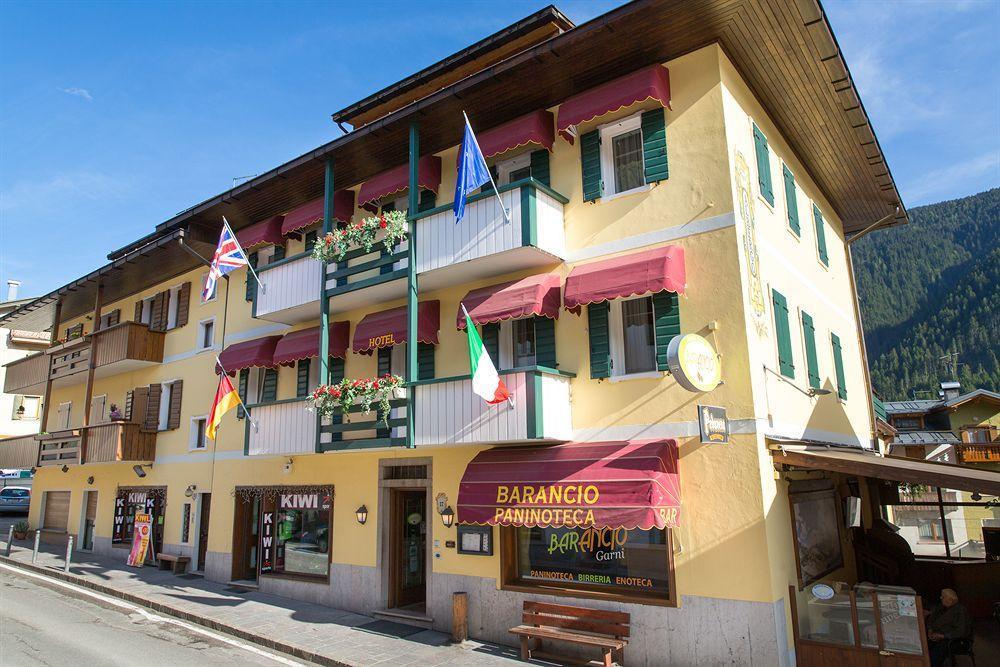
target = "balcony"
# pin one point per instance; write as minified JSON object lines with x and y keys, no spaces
{"x":122,"y":348}
{"x":447,"y":412}
{"x":21,"y":452}
{"x":289,"y":290}
{"x":978,"y":453}
{"x":27,"y":375}
{"x":110,"y":442}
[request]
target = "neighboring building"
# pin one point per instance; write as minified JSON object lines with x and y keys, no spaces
{"x":664,"y":177}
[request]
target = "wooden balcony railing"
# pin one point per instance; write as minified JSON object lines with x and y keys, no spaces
{"x":69,"y":358}
{"x":127,"y":341}
{"x":27,"y":375}
{"x":20,"y":452}
{"x":118,"y":441}
{"x":56,"y":449}
{"x":979,"y":453}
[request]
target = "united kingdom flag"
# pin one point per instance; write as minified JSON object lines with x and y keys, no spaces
{"x":229,"y":256}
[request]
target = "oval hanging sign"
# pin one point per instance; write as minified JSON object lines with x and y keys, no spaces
{"x":694,"y":363}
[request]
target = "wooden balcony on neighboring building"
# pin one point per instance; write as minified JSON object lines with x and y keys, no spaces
{"x":27,"y":375}
{"x":19,"y":453}
{"x":59,"y":448}
{"x":108,"y":442}
{"x":121,"y":348}
{"x":978,"y":453}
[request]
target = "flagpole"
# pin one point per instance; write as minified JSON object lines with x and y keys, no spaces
{"x":263,"y":288}
{"x":506,"y":214}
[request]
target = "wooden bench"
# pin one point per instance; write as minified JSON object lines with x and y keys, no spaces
{"x":606,"y":630}
{"x":178,"y":563}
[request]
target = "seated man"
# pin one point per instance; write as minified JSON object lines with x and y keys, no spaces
{"x":948,"y":621}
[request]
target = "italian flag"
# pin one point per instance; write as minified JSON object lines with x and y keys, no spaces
{"x":485,"y":380}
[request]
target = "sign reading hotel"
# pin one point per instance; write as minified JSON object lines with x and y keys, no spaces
{"x":385,"y":340}
{"x":142,"y":529}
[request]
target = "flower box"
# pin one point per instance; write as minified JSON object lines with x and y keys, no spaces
{"x":363,"y":393}
{"x":334,"y":246}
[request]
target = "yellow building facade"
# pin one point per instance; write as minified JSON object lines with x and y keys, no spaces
{"x":767,"y":285}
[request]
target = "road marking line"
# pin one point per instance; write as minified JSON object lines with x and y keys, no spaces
{"x":154,"y":617}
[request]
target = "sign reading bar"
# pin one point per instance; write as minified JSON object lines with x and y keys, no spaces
{"x":713,"y":425}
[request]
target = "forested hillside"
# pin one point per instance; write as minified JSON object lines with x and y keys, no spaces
{"x":930,"y":288}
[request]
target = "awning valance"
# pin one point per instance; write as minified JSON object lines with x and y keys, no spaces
{"x":312,"y":212}
{"x":260,"y":234}
{"x":911,"y":471}
{"x":249,"y":353}
{"x":645,"y":272}
{"x":398,"y":179}
{"x":534,"y":295}
{"x":304,"y":344}
{"x":388,"y":327}
{"x":632,"y":484}
{"x":639,"y":86}
{"x":533,"y":128}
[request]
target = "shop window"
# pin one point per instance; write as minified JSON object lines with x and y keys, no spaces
{"x":130,"y":502}
{"x":294,"y":533}
{"x":590,"y":562}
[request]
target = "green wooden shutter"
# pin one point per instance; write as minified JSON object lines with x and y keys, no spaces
{"x":270,"y":390}
{"x":251,"y":281}
{"x":302,"y":378}
{"x":838,"y":364}
{"x":783,"y":333}
{"x":545,"y":342}
{"x":540,"y":166}
{"x":590,"y":159}
{"x":384,"y":365}
{"x":491,"y":342}
{"x":820,"y":236}
{"x":654,"y":146}
{"x":791,"y":202}
{"x":666,"y":324}
{"x":310,"y":240}
{"x":600,"y":342}
{"x":242,"y":390}
{"x":812,"y":363}
{"x":279,"y":253}
{"x":425,"y":361}
{"x":336,"y":367}
{"x":763,"y":165}
{"x":428,"y":200}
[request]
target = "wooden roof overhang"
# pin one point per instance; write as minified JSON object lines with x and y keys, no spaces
{"x":128,"y":274}
{"x":785,"y":50}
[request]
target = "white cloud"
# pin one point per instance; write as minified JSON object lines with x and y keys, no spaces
{"x":944,"y":182}
{"x":79,"y":92}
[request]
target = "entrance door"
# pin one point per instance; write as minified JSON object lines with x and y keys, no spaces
{"x":245,"y":538}
{"x":89,"y":520}
{"x":409,"y":547}
{"x":206,"y":507}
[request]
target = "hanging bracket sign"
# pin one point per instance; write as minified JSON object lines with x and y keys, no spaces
{"x":694,"y":363}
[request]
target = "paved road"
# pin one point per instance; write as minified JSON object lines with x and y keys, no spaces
{"x":53,"y":626}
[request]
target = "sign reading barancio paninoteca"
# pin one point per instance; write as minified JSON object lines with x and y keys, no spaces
{"x":141,"y":533}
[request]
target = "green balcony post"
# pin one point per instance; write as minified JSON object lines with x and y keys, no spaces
{"x":324,"y":302}
{"x":411,"y":283}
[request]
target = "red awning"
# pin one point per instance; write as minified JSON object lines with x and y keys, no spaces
{"x":645,"y":272}
{"x":650,"y":83}
{"x":398,"y":179}
{"x":533,"y":128}
{"x":629,"y":485}
{"x":256,"y":352}
{"x":304,"y":344}
{"x":388,"y":327}
{"x":312,"y":212}
{"x":261,"y":233}
{"x":534,"y":295}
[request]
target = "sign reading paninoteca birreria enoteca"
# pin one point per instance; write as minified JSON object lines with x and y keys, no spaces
{"x":713,"y":425}
{"x":694,"y":363}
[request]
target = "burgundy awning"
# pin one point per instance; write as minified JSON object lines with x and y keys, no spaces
{"x":249,"y":353}
{"x":312,"y":212}
{"x":304,"y":344}
{"x":263,"y":233}
{"x":534,"y":128}
{"x":388,"y":327}
{"x":534,"y":295}
{"x":650,"y":83}
{"x":633,"y":484}
{"x":645,"y":272}
{"x":398,"y":179}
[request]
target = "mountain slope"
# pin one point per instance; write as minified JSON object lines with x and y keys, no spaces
{"x":930,"y":288}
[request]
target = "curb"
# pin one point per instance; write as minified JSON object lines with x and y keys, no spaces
{"x":180,"y":614}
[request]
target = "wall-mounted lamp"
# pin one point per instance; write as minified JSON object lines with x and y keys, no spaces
{"x":188,"y":492}
{"x":976,"y":496}
{"x":448,"y":517}
{"x":362,"y":514}
{"x":65,"y":468}
{"x":138,"y":470}
{"x":90,"y":480}
{"x":819,"y":392}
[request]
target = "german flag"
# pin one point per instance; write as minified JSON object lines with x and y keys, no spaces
{"x":226,"y":399}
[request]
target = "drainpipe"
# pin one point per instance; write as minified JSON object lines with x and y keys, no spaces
{"x":872,"y":433}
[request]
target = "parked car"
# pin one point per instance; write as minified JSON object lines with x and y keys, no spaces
{"x":15,"y":499}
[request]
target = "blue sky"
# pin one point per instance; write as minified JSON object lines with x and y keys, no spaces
{"x":114,"y":117}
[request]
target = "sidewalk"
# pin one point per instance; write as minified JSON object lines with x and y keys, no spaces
{"x":310,"y":632}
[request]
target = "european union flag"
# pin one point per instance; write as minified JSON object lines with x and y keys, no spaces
{"x":472,"y":170}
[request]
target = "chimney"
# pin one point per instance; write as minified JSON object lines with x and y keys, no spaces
{"x":950,"y":390}
{"x":12,"y":286}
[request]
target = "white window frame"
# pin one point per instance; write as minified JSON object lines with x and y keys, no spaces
{"x":264,"y":256}
{"x":101,"y":418}
{"x":313,"y":374}
{"x":199,"y":343}
{"x":19,"y":401}
{"x":608,"y":133}
{"x":193,"y":434}
{"x":506,"y":346}
{"x":69,"y":415}
{"x":255,"y":385}
{"x":146,"y":312}
{"x":215,"y":293}
{"x":173,"y":304}
{"x":616,"y":335}
{"x":166,"y":394}
{"x":506,"y":167}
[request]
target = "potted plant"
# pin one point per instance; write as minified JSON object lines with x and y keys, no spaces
{"x":364,"y":392}
{"x":333,"y":246}
{"x":21,"y":530}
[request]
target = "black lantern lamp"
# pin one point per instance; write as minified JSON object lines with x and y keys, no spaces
{"x":362,"y":514}
{"x":448,"y":517}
